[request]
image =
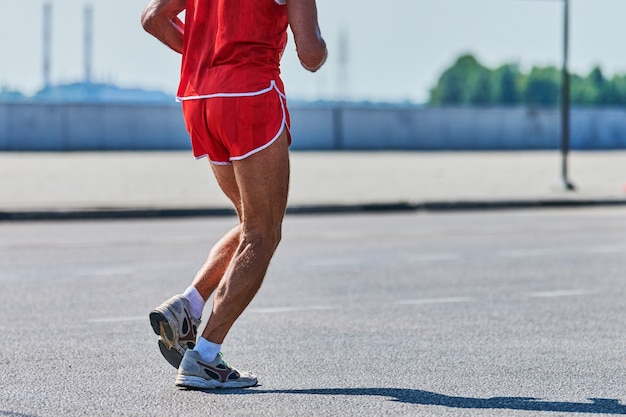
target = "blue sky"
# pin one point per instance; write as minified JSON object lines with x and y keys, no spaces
{"x":396,"y":49}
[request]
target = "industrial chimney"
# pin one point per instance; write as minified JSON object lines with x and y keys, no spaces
{"x":88,"y":40}
{"x":342,"y":70}
{"x":47,"y":43}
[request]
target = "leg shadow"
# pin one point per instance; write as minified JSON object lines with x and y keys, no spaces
{"x":4,"y":413}
{"x":419,"y":397}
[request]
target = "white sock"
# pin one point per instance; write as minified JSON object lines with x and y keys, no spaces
{"x":196,"y":302}
{"x":208,"y":350}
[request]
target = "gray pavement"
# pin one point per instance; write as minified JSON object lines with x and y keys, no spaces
{"x":500,"y":314}
{"x":40,"y":185}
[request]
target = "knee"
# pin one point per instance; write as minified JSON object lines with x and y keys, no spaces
{"x":265,"y":238}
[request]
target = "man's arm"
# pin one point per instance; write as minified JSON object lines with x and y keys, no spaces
{"x":160,"y":19}
{"x":310,"y":45}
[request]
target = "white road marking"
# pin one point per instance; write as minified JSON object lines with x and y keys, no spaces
{"x":532,"y":252}
{"x":552,"y":251}
{"x":560,"y":293}
{"x":337,"y":262}
{"x":106,"y":272}
{"x":417,"y":301}
{"x":435,"y":257}
{"x":274,"y":310}
{"x":443,"y":300}
{"x":452,"y":256}
{"x":118,"y":319}
{"x":416,"y":258}
{"x":606,"y":249}
{"x":266,"y":310}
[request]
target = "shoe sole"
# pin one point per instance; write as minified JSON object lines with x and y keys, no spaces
{"x":197,"y":382}
{"x":171,"y":355}
{"x":170,"y":349}
{"x":160,"y":324}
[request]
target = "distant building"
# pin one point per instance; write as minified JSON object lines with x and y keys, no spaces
{"x":84,"y":92}
{"x":7,"y":94}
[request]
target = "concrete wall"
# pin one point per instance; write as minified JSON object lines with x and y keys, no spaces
{"x":50,"y":127}
{"x":450,"y":128}
{"x":91,"y":127}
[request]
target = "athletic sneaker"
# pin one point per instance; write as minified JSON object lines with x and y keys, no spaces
{"x":172,"y":321}
{"x":197,"y":374}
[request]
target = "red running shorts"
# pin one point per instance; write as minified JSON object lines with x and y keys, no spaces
{"x":231,"y":127}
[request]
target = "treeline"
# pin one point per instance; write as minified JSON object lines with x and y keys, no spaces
{"x":468,"y":82}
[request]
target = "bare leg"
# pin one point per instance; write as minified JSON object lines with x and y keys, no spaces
{"x":211,"y":273}
{"x":263,"y":182}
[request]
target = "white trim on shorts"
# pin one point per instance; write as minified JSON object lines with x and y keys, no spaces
{"x":215,"y":162}
{"x":267,"y":145}
{"x":283,"y":124}
{"x":272,"y":86}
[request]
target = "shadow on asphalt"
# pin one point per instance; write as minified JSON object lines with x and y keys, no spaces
{"x":410,"y":396}
{"x":4,"y":413}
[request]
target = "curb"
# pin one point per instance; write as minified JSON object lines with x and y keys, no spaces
{"x":435,"y":206}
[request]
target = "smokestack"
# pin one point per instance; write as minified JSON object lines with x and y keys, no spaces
{"x":343,"y":57}
{"x":47,"y":43}
{"x":88,"y":17}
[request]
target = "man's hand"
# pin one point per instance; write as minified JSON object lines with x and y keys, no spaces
{"x":310,"y":45}
{"x":160,"y":19}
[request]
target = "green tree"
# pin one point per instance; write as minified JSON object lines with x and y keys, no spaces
{"x":468,"y":82}
{"x":582,"y":90}
{"x":542,"y":86}
{"x":506,"y":80}
{"x":465,"y":82}
{"x":479,"y":87}
{"x":614,"y":91}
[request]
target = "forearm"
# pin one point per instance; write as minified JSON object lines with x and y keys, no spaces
{"x":314,"y":59}
{"x":310,"y":44}
{"x":160,"y":19}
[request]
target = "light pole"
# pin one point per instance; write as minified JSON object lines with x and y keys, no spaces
{"x":565,"y":102}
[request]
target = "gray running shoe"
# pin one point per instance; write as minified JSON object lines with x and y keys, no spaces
{"x":195,"y":374}
{"x":172,"y":321}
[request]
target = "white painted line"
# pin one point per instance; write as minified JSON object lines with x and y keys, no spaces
{"x":107,"y":272}
{"x":274,"y":310}
{"x":435,"y":257}
{"x":267,"y":310}
{"x":536,"y":252}
{"x":606,"y":249}
{"x":338,"y":262}
{"x":118,"y":319}
{"x":416,"y":258}
{"x":443,"y":300}
{"x":528,"y":253}
{"x":560,"y":293}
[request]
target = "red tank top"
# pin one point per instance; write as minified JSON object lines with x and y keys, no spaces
{"x":232,"y":47}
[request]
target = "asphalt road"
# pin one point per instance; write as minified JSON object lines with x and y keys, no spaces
{"x":517,"y":313}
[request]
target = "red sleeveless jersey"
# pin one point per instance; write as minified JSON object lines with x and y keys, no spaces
{"x":232,"y":47}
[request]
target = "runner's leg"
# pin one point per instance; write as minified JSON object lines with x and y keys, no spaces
{"x":263,"y":181}
{"x":210,"y":274}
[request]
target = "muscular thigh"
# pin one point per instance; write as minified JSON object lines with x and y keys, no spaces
{"x":258,"y":186}
{"x":263,"y":183}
